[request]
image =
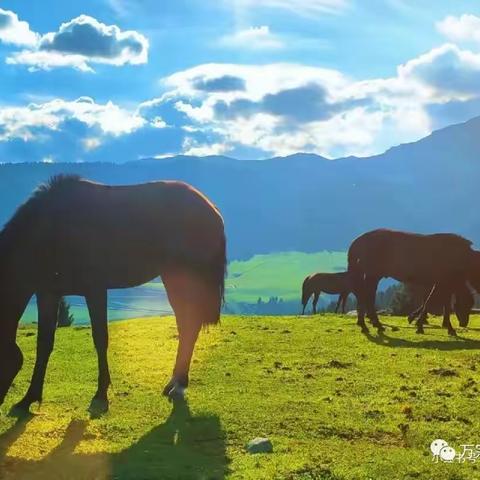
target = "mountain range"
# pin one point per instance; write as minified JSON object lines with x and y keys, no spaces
{"x":305,"y":202}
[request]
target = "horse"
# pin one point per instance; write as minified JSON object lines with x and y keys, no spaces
{"x":77,"y":237}
{"x":331,"y":283}
{"x":445,"y":260}
{"x":462,"y":305}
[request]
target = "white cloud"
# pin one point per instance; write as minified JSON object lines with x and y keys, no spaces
{"x":15,"y":31}
{"x":460,"y":29}
{"x":192,"y":147}
{"x":158,"y":122}
{"x":40,"y":60}
{"x":30,"y":122}
{"x":253,"y":38}
{"x":285,"y":108}
{"x":272,"y":109}
{"x":81,"y":42}
{"x":259,"y":80}
{"x":91,"y":143}
{"x":447,"y":71}
{"x":309,"y":8}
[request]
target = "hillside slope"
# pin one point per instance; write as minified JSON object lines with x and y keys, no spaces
{"x":305,"y":202}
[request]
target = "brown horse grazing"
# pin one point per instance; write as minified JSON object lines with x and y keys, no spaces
{"x":444,"y":260}
{"x":331,"y":283}
{"x":463,"y":304}
{"x":76,"y":237}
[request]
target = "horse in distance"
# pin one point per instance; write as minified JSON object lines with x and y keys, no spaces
{"x":77,"y":237}
{"x":331,"y":283}
{"x":444,"y":260}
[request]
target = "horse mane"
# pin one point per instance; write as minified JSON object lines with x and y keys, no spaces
{"x":29,"y":208}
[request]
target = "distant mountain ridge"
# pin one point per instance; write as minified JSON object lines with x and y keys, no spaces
{"x":305,"y":202}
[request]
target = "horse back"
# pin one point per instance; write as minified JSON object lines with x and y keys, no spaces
{"x":409,"y":256}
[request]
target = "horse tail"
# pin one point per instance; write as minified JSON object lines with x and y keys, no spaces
{"x":215,"y":272}
{"x":219,"y":268}
{"x":353,"y":257}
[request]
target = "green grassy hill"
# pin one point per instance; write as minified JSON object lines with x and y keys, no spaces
{"x":278,"y":274}
{"x":336,"y":404}
{"x":271,"y":275}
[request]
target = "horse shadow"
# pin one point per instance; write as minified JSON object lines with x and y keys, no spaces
{"x":185,"y":446}
{"x":449,"y":344}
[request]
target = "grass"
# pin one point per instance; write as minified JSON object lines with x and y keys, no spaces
{"x":335,"y":403}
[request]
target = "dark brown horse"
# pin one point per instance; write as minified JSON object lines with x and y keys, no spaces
{"x":444,"y":260}
{"x":75,"y":237}
{"x":331,"y":283}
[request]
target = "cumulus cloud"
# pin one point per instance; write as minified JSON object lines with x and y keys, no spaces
{"x":448,"y":70}
{"x":460,"y":29}
{"x":286,"y":108}
{"x":81,"y":42}
{"x":31,"y":122}
{"x":15,"y":31}
{"x":303,"y":104}
{"x":253,"y":38}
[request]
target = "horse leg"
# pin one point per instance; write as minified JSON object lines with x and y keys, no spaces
{"x":359,"y":292}
{"x":447,"y":308}
{"x":47,"y":305}
{"x":344,"y":302}
{"x":316,"y":296}
{"x":414,"y":315}
{"x":371,"y":291}
{"x":422,"y":318}
{"x":97,"y":309}
{"x":195,"y":303}
{"x":338,"y":302}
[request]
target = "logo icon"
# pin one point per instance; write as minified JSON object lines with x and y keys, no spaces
{"x":442,"y":451}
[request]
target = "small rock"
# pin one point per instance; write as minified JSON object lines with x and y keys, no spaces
{"x":260,"y":445}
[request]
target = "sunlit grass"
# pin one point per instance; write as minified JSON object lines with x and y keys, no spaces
{"x":336,"y":404}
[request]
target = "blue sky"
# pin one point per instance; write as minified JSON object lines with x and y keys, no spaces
{"x":121,"y":79}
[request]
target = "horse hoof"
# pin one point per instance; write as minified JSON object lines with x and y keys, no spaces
{"x":174,"y":390}
{"x":365,"y":330}
{"x":98,"y":407}
{"x":452,"y":333}
{"x":20,"y":410}
{"x":168,"y":388}
{"x":177,"y":393}
{"x":420,"y":331}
